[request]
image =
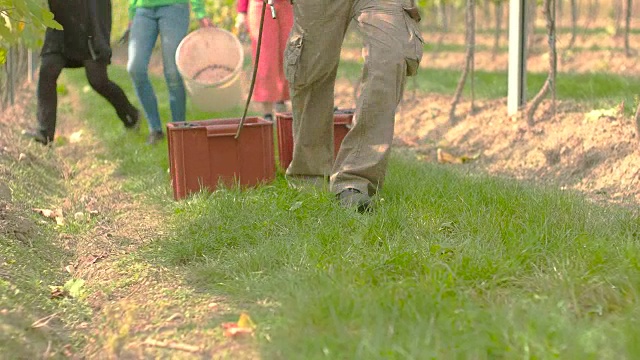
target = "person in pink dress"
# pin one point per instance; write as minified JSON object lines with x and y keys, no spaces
{"x":271,"y":87}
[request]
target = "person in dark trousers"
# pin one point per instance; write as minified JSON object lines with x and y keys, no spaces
{"x":83,"y":42}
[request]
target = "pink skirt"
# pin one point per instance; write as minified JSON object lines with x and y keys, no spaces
{"x":271,"y":85}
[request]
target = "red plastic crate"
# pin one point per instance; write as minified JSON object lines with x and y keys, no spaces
{"x":342,"y":120}
{"x":203,"y":154}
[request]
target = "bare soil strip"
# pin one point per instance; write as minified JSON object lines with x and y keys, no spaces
{"x":140,"y":309}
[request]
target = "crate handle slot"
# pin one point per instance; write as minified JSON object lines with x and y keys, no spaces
{"x":222,"y":130}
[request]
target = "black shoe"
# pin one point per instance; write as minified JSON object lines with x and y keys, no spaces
{"x":132,"y":121}
{"x":354,"y":198}
{"x":37,"y":137}
{"x":155,"y":137}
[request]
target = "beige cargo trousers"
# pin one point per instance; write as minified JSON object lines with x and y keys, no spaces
{"x":392,"y":48}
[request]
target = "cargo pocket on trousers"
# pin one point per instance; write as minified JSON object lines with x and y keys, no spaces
{"x":415,"y":47}
{"x":292,"y":57}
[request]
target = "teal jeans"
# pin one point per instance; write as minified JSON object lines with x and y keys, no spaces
{"x":172,"y":24}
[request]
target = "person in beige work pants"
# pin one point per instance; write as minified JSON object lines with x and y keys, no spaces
{"x":393,"y":49}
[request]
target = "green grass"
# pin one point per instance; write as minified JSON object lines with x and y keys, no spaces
{"x":449,"y":266}
{"x":28,"y":269}
{"x":435,"y":48}
{"x":588,"y":31}
{"x":598,"y":89}
{"x":32,"y":259}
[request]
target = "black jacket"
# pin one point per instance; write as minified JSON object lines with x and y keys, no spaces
{"x":86,"y":31}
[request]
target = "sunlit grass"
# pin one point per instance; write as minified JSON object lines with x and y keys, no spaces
{"x":596,"y":87}
{"x":450,"y":265}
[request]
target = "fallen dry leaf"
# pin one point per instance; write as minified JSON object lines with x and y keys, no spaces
{"x":66,"y":351}
{"x":606,"y":114}
{"x":232,"y":331}
{"x":447,"y":158}
{"x":75,"y":137}
{"x":244,"y":326}
{"x":83,"y":325}
{"x":245,"y":321}
{"x":52,"y":214}
{"x":69,"y":269}
{"x":44,"y":321}
{"x":176,"y":316}
{"x":172,"y":345}
{"x":410,"y":141}
{"x":90,"y":260}
{"x":57,"y":292}
{"x":213,"y":306}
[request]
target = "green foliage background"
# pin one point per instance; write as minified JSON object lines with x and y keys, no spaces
{"x":222,"y":12}
{"x":23,"y":21}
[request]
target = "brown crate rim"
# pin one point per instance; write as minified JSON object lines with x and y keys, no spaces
{"x":252,"y":121}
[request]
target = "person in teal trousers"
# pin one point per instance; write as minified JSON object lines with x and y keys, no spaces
{"x":170,"y":20}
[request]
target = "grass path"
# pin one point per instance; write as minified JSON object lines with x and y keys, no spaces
{"x":109,"y":302}
{"x":452,"y":265}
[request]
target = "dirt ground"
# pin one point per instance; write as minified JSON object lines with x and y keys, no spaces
{"x":596,"y":155}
